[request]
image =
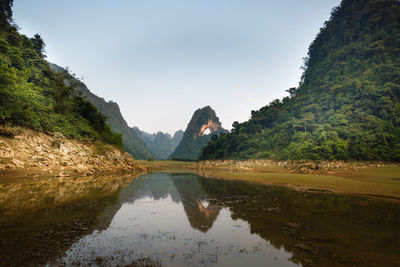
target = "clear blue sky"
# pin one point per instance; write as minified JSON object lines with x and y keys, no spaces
{"x":160,"y":60}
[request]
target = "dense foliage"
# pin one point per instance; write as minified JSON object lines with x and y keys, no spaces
{"x":32,"y":95}
{"x":347,"y":103}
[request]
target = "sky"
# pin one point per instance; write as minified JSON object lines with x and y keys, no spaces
{"x":160,"y":60}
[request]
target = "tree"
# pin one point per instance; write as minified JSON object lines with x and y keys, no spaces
{"x":38,"y":45}
{"x":6,"y":10}
{"x":292,"y":91}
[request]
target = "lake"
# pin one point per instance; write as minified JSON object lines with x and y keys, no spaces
{"x":178,"y":219}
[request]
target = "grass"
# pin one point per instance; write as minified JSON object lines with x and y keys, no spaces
{"x":381,"y":181}
{"x":165,"y":165}
{"x":100,"y":148}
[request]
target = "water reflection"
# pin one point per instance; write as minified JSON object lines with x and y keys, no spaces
{"x":183,"y":219}
{"x":169,"y":219}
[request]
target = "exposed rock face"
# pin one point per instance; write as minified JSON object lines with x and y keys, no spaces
{"x":211,"y":125}
{"x":34,"y":154}
{"x":132,"y":143}
{"x":194,"y":139}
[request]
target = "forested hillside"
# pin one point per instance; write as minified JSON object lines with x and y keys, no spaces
{"x":132,"y":143}
{"x":32,"y":95}
{"x":347,"y":103}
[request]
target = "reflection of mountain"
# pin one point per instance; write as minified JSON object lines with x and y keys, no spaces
{"x":190,"y":190}
{"x":200,"y":217}
{"x":154,"y":185}
{"x":183,"y":188}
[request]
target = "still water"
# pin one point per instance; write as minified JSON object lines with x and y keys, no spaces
{"x":186,"y":220}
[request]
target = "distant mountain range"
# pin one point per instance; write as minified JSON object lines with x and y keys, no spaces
{"x":161,"y":144}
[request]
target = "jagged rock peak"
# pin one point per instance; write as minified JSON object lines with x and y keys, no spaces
{"x":203,"y":119}
{"x":194,"y":137}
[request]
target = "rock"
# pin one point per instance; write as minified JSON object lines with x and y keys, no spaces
{"x":17,"y":163}
{"x":64,"y":164}
{"x":273,"y":209}
{"x":305,"y":247}
{"x":292,"y":225}
{"x":33,"y":150}
{"x":63,"y":174}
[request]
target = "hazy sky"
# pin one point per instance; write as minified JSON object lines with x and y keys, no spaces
{"x":160,"y":60}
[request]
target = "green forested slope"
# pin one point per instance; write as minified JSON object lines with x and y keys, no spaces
{"x":132,"y":143}
{"x":32,"y":95}
{"x":347,"y":103}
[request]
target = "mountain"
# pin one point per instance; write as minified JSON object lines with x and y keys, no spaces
{"x":132,"y":143}
{"x":161,"y":144}
{"x":347,"y":103}
{"x":176,"y":139}
{"x":194,"y":138}
{"x":33,"y":96}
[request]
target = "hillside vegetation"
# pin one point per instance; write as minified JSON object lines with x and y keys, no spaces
{"x":131,"y":141}
{"x":347,"y":103}
{"x":33,"y":96}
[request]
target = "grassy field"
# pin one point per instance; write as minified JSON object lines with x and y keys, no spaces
{"x":381,"y":181}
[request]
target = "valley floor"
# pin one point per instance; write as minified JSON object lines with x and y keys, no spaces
{"x":362,"y":178}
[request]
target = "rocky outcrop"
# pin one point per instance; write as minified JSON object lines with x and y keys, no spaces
{"x":212,"y":125}
{"x":194,"y":138}
{"x":33,"y":154}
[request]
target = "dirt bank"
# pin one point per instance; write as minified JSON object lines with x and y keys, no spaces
{"x":28,"y":153}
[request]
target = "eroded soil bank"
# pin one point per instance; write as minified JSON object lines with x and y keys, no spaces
{"x":27,"y":153}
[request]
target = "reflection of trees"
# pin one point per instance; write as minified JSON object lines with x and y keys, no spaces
{"x":314,"y":227}
{"x":41,"y":219}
